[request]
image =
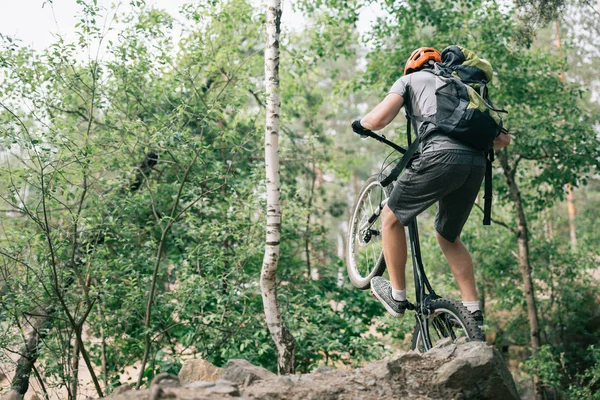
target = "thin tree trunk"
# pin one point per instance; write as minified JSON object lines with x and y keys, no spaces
{"x":570,"y":195}
{"x":30,"y":353}
{"x":307,"y":234}
{"x":572,"y":211}
{"x":524,"y":264}
{"x":75,"y":370}
{"x":103,"y":347}
{"x":284,"y":341}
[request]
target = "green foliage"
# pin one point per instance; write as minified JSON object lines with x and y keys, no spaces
{"x":150,"y":159}
{"x":588,"y":386}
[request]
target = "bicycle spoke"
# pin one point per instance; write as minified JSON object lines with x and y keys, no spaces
{"x":370,"y":245}
{"x":435,"y":324}
{"x":371,"y":212}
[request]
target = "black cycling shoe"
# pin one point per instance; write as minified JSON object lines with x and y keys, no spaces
{"x":382,"y":290}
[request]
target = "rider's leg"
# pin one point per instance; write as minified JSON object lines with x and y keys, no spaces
{"x":461,"y":264}
{"x":394,"y":248}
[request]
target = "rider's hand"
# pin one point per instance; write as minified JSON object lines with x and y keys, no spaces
{"x":358,"y":128}
{"x":502,"y":140}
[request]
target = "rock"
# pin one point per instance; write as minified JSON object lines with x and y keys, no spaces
{"x":199,"y":370}
{"x":443,"y":352}
{"x":478,"y":371}
{"x":323,"y":370}
{"x":223,"y":387}
{"x":122,"y":389}
{"x":199,"y":385}
{"x":165,"y":380}
{"x":12,"y":395}
{"x":468,"y":370}
{"x":244,"y":373}
{"x":378,"y":369}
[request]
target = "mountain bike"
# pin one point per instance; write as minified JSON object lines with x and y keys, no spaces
{"x":436,"y":317}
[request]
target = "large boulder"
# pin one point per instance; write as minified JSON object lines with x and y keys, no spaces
{"x":199,"y":370}
{"x":477,"y":371}
{"x":464,"y":370}
{"x":244,"y":373}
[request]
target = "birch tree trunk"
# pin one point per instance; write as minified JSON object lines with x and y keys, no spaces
{"x":285,"y":342}
{"x":524,"y":265}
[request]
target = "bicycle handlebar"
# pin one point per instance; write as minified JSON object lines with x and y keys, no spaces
{"x":380,"y":138}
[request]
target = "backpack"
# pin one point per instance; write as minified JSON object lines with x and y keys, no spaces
{"x":464,"y":109}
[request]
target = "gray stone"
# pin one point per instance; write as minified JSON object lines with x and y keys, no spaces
{"x":122,"y":389}
{"x":244,"y":373}
{"x":222,"y":388}
{"x":165,"y":380}
{"x":199,"y":370}
{"x":225,"y":382}
{"x":12,"y":395}
{"x":377,"y":369}
{"x":323,"y":370}
{"x":478,"y":371}
{"x":289,"y":380}
{"x":408,"y":356}
{"x":442,"y":352}
{"x":199,"y":385}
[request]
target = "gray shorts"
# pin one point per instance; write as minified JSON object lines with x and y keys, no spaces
{"x":453,"y":178}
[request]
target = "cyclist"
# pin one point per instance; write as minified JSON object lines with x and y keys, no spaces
{"x":448,"y":171}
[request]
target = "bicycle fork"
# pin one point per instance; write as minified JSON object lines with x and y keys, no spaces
{"x":365,"y":231}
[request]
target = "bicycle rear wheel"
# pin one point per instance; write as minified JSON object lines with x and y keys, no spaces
{"x":364,"y":257}
{"x":447,"y":319}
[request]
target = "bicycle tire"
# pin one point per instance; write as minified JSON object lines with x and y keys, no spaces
{"x":450,"y":310}
{"x":371,"y":253}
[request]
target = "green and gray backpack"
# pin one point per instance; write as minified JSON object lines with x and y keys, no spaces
{"x":464,"y":109}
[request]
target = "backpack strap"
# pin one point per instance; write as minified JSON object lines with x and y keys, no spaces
{"x":487,"y":194}
{"x":406,"y":158}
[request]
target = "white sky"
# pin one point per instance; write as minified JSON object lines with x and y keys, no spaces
{"x":36,"y":22}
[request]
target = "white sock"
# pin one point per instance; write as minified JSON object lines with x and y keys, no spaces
{"x":398,"y":295}
{"x":472,"y":306}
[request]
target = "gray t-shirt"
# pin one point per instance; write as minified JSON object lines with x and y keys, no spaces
{"x":418,"y":91}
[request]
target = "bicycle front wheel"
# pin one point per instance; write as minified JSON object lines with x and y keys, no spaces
{"x":447,"y":319}
{"x":364,"y":257}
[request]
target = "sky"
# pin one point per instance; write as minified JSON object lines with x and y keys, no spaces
{"x":36,"y":22}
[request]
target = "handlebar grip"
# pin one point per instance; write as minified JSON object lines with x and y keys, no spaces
{"x":359,"y":129}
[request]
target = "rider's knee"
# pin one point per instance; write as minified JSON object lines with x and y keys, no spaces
{"x":389,"y":219}
{"x":445,"y":243}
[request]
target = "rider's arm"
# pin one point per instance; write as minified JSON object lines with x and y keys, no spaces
{"x":383,"y":113}
{"x":502,"y":140}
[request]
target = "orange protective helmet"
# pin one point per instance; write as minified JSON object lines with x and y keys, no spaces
{"x":419,"y":57}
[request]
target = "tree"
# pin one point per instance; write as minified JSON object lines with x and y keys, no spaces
{"x":285,"y":342}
